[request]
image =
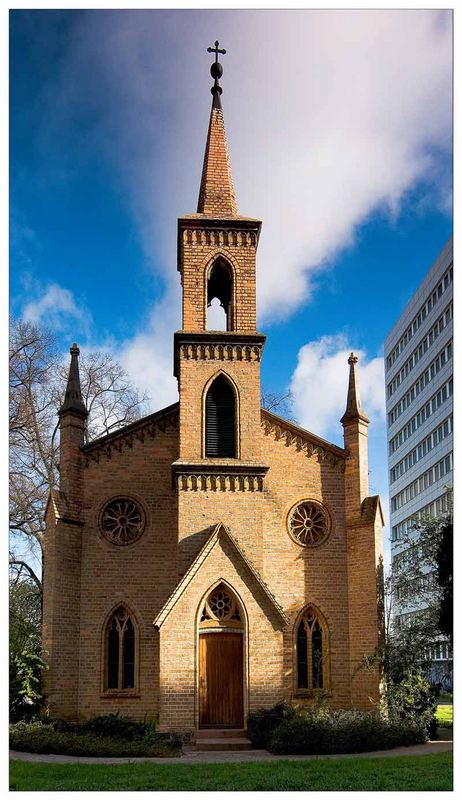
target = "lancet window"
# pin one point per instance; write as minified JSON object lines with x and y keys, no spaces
{"x":312,"y":651}
{"x":120,"y":651}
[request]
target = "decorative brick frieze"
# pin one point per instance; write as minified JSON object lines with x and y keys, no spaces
{"x":292,"y":435}
{"x":210,"y":237}
{"x":199,"y":231}
{"x":218,"y":477}
{"x":222,"y":346}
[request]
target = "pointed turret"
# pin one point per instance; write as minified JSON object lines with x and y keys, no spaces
{"x":73,"y":398}
{"x":353,"y":408}
{"x":216,"y":195}
{"x":72,"y":422}
{"x":355,"y":424}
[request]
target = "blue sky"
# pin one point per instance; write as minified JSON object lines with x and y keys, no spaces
{"x":339,"y":128}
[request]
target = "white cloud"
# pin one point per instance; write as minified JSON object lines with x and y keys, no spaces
{"x":148,"y":357}
{"x":320,"y":381}
{"x":56,"y":307}
{"x":331,"y":115}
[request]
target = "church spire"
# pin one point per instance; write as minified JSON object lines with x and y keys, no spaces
{"x":353,"y":409}
{"x":216,"y":195}
{"x":73,"y":398}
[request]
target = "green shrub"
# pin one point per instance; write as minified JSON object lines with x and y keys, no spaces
{"x":114,"y":726}
{"x":67,"y":739}
{"x":262,"y":723}
{"x":323,"y":732}
{"x":413,"y":699}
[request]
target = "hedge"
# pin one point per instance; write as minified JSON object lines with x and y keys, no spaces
{"x":286,"y":731}
{"x":74,"y":740}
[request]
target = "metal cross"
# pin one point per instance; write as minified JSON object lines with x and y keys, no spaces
{"x":215,"y":50}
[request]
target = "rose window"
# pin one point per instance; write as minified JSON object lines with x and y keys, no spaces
{"x":309,"y":523}
{"x":122,"y":521}
{"x":221,"y":607}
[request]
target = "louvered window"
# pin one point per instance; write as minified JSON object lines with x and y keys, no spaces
{"x":220,"y":420}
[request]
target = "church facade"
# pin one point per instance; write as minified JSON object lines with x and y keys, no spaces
{"x":211,"y":558}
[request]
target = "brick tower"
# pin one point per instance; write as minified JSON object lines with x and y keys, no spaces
{"x":216,"y":259}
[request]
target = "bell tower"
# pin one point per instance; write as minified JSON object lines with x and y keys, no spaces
{"x":218,"y":371}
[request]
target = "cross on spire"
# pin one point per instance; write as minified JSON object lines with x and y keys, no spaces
{"x":216,"y":71}
{"x":216,"y":50}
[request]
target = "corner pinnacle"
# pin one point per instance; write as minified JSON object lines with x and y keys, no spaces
{"x":354,"y":410}
{"x":73,"y":401}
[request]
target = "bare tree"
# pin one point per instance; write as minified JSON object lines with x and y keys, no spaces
{"x":278,"y":402}
{"x":38,"y":374}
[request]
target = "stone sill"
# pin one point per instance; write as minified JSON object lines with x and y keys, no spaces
{"x":116,"y":695}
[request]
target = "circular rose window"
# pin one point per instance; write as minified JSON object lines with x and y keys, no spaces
{"x":309,"y":523}
{"x":122,"y":521}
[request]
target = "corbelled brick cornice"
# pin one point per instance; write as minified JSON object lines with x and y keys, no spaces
{"x":302,"y":440}
{"x":147,"y":427}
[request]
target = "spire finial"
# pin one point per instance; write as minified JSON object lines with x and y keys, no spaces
{"x":216,"y":71}
{"x":352,"y":359}
{"x":73,"y":398}
{"x":354,"y":410}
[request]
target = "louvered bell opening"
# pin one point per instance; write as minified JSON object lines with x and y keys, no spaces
{"x":220,"y":420}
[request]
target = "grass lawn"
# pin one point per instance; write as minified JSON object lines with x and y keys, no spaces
{"x":413,"y":773}
{"x":444,"y":715}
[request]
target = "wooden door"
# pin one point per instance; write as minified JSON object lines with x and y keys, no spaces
{"x":221,"y":695}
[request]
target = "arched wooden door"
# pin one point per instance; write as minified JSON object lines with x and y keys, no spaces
{"x":221,"y":662}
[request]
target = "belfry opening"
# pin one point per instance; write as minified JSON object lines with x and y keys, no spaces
{"x":220,"y":288}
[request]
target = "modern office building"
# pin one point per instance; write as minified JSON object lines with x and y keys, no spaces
{"x":419,"y":388}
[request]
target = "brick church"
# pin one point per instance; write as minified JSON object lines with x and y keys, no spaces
{"x":212,"y":557}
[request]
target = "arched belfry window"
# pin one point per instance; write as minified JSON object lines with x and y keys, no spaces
{"x":220,"y":420}
{"x":312,"y":651}
{"x":220,"y":297}
{"x":120,"y":651}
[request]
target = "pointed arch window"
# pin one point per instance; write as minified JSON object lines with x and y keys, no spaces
{"x":221,"y":609}
{"x":120,"y":651}
{"x":220,"y":286}
{"x":312,"y":651}
{"x":220,"y":420}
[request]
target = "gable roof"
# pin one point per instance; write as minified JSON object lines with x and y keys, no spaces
{"x":272,"y":423}
{"x":220,"y":531}
{"x":160,"y":420}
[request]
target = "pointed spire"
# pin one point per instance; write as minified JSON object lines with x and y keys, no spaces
{"x":73,"y":398}
{"x":354,"y":410}
{"x":216,"y":195}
